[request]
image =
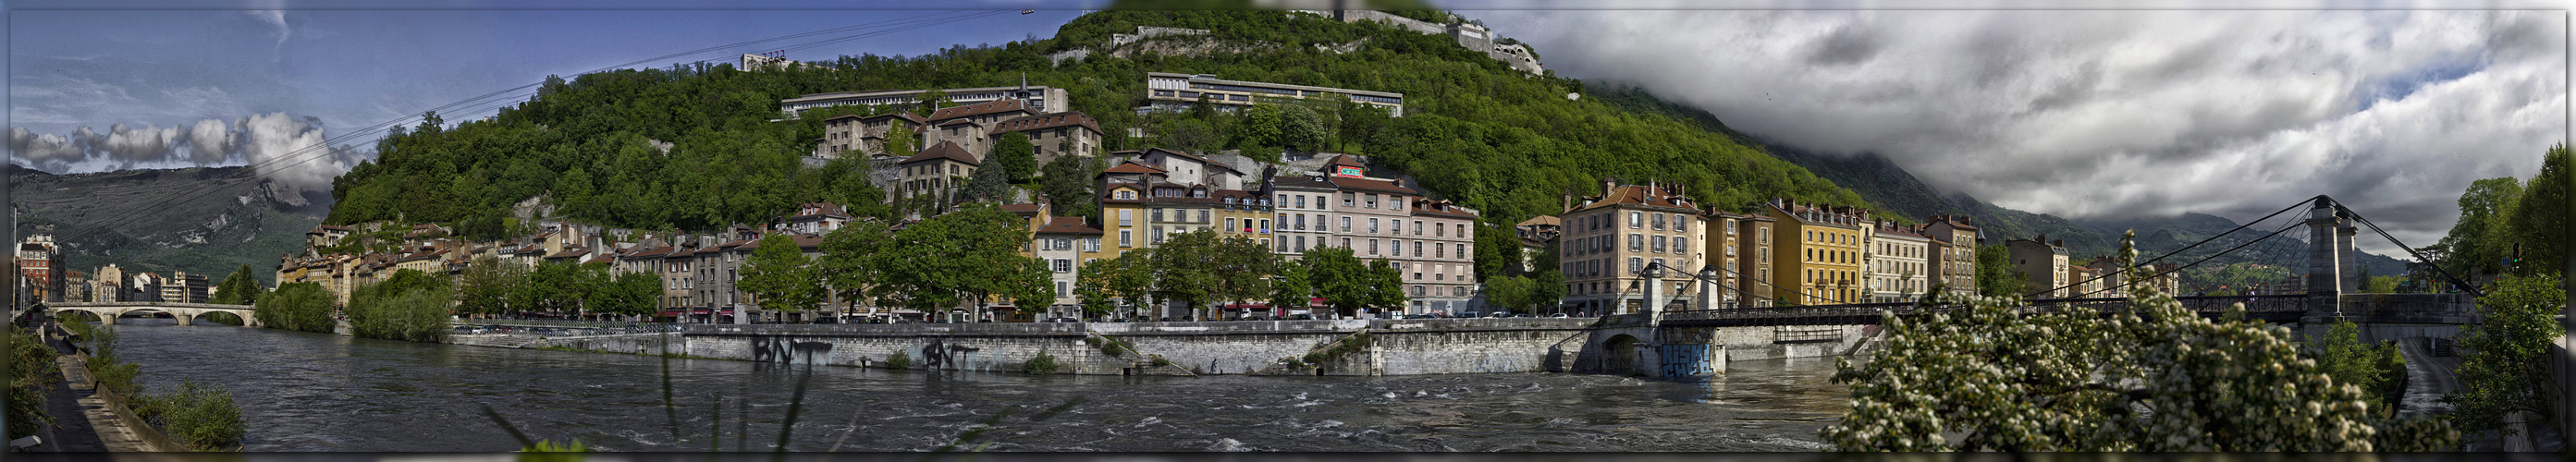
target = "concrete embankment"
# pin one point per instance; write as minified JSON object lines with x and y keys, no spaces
{"x":1323,"y":347}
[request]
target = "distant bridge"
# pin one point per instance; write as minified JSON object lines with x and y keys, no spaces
{"x":187,"y":313}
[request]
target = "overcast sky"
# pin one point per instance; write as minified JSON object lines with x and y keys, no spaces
{"x":2075,"y":113}
{"x":2116,"y":113}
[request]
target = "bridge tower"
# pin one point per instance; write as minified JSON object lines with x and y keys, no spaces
{"x":2328,"y":240}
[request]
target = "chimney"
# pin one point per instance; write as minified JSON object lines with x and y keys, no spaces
{"x":1609,"y":185}
{"x":2061,"y":242}
{"x":1569,"y":202}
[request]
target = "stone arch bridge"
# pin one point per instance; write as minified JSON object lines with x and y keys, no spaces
{"x":186,"y":313}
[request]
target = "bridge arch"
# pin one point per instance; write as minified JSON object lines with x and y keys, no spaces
{"x":1619,"y":355}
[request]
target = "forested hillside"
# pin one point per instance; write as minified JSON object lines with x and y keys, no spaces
{"x":695,"y":147}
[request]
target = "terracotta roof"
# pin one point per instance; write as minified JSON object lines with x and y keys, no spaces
{"x":907,"y":116}
{"x":1960,"y":224}
{"x":598,"y":259}
{"x":568,"y":253}
{"x":1346,"y":160}
{"x":1020,"y":208}
{"x":1046,"y":121}
{"x":1067,"y":225}
{"x":971,"y":110}
{"x":1440,"y":208}
{"x":648,"y":253}
{"x":961,"y":122}
{"x":1898,"y":231}
{"x":945,"y":150}
{"x":1300,"y":181}
{"x":808,"y":240}
{"x":1543,"y":220}
{"x":1637,"y":195}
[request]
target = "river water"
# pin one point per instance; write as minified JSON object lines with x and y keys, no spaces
{"x":317,"y":392}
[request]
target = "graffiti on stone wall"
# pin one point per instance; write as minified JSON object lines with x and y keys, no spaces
{"x":938,"y":354}
{"x":769,"y":349}
{"x":1686,"y":360}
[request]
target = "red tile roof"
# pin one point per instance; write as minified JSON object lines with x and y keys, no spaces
{"x":1046,"y":121}
{"x":1131,"y":167}
{"x":977,"y":109}
{"x":1020,"y":208}
{"x":1345,"y":160}
{"x":1067,"y":225}
{"x":1637,"y":195}
{"x":1366,"y":184}
{"x":907,"y":116}
{"x":945,"y":150}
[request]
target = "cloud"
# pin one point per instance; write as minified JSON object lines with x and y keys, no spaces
{"x":288,"y":149}
{"x":276,"y":21}
{"x":2117,"y":113}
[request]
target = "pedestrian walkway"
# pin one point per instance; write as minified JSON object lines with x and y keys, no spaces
{"x":107,"y":432}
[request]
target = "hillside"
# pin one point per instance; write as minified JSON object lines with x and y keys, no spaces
{"x":212,"y":235}
{"x":1883,"y":182}
{"x":1495,"y":139}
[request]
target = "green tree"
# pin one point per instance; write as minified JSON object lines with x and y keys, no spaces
{"x":1067,"y":186}
{"x":902,"y":141}
{"x":1186,"y":270}
{"x":573,"y":192}
{"x":33,"y":373}
{"x":554,"y":287}
{"x":2477,"y":241}
{"x":1288,"y":288}
{"x":1995,"y":274}
{"x":972,"y":252}
{"x":1301,"y":129}
{"x":1017,"y":158}
{"x":779,"y":277}
{"x":300,"y":306}
{"x":240,"y":288}
{"x":632,"y":295}
{"x":986,"y":184}
{"x":2539,"y":221}
{"x":2342,"y":356}
{"x":1102,"y":285}
{"x":1260,"y":126}
{"x":2155,"y":377}
{"x":1509,"y":293}
{"x":1338,"y":277}
{"x":411,"y":305}
{"x":2506,"y":369}
{"x":852,"y":257}
{"x":488,"y":285}
{"x":1547,"y":288}
{"x":1386,"y":286}
{"x":1243,"y":269}
{"x":1188,"y":134}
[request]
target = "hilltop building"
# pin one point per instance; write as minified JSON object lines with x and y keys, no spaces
{"x":1042,"y":99}
{"x":1170,"y":92}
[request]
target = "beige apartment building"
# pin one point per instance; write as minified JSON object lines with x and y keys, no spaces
{"x":1610,"y":239}
{"x":2043,"y":266}
{"x":1954,"y":252}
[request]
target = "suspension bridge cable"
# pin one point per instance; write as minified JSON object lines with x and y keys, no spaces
{"x":2437,"y":268}
{"x":2284,"y":227}
{"x":2184,"y":248}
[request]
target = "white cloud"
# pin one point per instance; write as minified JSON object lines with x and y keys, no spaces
{"x":275,"y":19}
{"x":2126,"y":113}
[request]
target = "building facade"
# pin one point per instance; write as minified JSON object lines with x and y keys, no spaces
{"x":1040,"y":98}
{"x":1056,"y":135}
{"x":42,"y":266}
{"x":2042,"y":264}
{"x":1170,"y":92}
{"x":1899,"y":263}
{"x":1820,"y":252}
{"x":935,"y":173}
{"x":1954,"y":251}
{"x":1610,"y":239}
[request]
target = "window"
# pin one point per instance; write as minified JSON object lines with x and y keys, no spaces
{"x":1346,"y":243}
{"x":1203,"y":216}
{"x":1347,"y":198}
{"x":1346,"y":224}
{"x":1636,"y":264}
{"x":1229,"y":224}
{"x":1397,"y":203}
{"x":1436,"y":251}
{"x":1319,"y":202}
{"x":1399,"y":227}
{"x":1372,"y":201}
{"x":1265,"y":226}
{"x":1156,"y":237}
{"x":1398,"y":248}
{"x":1301,"y":222}
{"x":1062,"y":243}
{"x":1301,"y":201}
{"x":1681,"y":244}
{"x":1063,"y":290}
{"x":1126,"y":238}
{"x":1636,"y":243}
{"x":1436,"y":230}
{"x":1462,"y":250}
{"x":1417,"y":227}
{"x":1373,"y":247}
{"x":1064,"y":265}
{"x":1462,"y":230}
{"x":1636,"y":220}
{"x":1659,"y":222}
{"x":1730,"y":249}
{"x":1372,"y":226}
{"x":1681,"y":223}
{"x":1301,"y":244}
{"x":1659,"y":242}
{"x":1158,"y":215}
{"x":1091,"y":244}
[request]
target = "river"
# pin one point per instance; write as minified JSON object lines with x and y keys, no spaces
{"x":318,"y":392}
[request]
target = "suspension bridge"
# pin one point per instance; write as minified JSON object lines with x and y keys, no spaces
{"x":1684,"y":342}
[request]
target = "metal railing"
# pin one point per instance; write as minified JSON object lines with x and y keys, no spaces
{"x":1869,"y":313}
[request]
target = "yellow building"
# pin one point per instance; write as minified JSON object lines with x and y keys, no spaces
{"x":1820,"y":252}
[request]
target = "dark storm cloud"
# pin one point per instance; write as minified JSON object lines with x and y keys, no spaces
{"x":2117,"y":113}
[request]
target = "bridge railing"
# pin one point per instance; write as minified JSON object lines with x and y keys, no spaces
{"x":1869,"y":312}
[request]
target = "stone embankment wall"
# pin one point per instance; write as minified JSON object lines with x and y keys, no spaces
{"x":1390,"y":347}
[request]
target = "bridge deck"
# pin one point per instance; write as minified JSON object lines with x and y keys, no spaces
{"x":2269,"y":308}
